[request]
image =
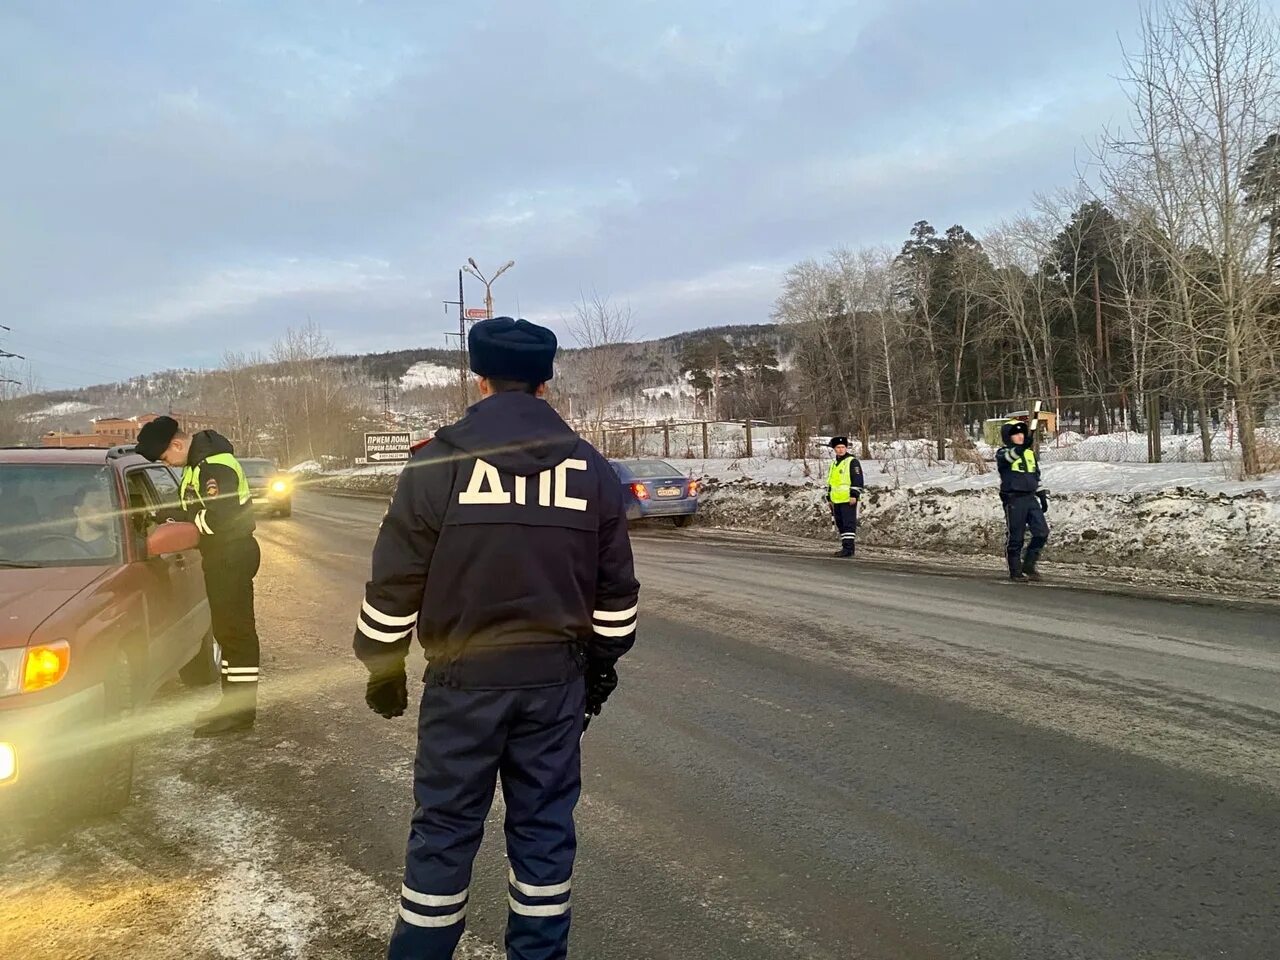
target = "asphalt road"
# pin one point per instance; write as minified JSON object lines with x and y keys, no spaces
{"x":807,"y":758}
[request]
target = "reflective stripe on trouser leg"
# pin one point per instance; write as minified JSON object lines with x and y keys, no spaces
{"x":541,"y":781}
{"x":460,"y":739}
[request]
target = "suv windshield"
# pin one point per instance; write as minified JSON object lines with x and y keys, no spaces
{"x":55,"y":515}
{"x":651,"y":469}
{"x":258,"y":469}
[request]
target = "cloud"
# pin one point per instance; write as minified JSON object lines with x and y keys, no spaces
{"x":242,"y":289}
{"x":251,"y":164}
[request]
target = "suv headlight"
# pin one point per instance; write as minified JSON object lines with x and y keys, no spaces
{"x":11,"y":671}
{"x":280,"y":486}
{"x":28,"y":669}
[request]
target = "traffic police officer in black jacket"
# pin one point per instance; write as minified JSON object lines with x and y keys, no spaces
{"x":215,"y":496}
{"x":1024,"y":501}
{"x":506,"y":546}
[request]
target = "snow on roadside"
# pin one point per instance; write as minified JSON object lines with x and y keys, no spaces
{"x":273,"y":896}
{"x":1187,"y":517}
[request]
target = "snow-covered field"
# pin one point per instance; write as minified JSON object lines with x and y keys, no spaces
{"x":68,"y":408}
{"x":429,"y":374}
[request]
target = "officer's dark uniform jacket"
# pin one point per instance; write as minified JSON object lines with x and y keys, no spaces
{"x":215,"y":492}
{"x":1019,"y":469}
{"x":509,"y":481}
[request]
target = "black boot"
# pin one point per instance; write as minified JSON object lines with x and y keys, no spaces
{"x":1029,"y":570}
{"x":1015,"y":571}
{"x":234,"y":713}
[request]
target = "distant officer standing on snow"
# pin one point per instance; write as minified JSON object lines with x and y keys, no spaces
{"x":844,"y":489}
{"x":1024,"y":501}
{"x":506,"y":546}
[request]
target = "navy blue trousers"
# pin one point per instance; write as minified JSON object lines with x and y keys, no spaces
{"x":1023,"y":511}
{"x":846,"y":518}
{"x":467,"y":739}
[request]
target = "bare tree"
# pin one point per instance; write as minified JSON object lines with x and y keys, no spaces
{"x":1204,"y":95}
{"x":601,"y":329}
{"x":315,"y":409}
{"x":238,"y":384}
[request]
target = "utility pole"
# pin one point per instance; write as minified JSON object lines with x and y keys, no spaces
{"x":462,"y":344}
{"x":386,"y":400}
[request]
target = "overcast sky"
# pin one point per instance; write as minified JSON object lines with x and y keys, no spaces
{"x":177,"y":179}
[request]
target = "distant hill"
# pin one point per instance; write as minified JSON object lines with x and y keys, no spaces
{"x":401,"y":378}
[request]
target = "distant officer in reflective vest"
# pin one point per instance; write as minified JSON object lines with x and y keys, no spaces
{"x":1024,"y":502}
{"x":506,"y":546}
{"x":844,"y":489}
{"x":215,"y":496}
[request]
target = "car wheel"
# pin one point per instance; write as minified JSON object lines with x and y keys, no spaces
{"x":285,"y":511}
{"x":683,"y":521}
{"x":114,"y":762}
{"x":205,"y":667}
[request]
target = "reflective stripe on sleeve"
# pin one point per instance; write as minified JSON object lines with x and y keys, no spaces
{"x":386,"y":619}
{"x":381,"y":636}
{"x":614,"y":616}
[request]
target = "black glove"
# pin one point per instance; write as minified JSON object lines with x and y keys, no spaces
{"x":388,"y":693}
{"x":602,"y":680}
{"x":1043,"y":497}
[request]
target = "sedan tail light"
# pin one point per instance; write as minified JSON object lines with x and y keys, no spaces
{"x":693,"y":488}
{"x":640,"y":490}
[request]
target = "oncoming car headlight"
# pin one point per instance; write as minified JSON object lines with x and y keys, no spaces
{"x":28,"y":669}
{"x":279,"y":486}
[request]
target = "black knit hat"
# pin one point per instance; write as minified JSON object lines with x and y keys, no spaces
{"x":838,"y":442}
{"x":507,"y":349}
{"x":154,"y":438}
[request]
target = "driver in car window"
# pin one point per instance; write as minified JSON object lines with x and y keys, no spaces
{"x":95,"y":522}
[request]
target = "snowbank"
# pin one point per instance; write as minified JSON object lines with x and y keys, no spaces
{"x":1193,"y":531}
{"x":1184,"y":517}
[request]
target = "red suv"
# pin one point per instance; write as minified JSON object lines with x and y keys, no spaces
{"x":101,"y":602}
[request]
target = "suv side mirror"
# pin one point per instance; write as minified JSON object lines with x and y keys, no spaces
{"x":168,"y":538}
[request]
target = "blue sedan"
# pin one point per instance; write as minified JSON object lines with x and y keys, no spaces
{"x":654,"y":488}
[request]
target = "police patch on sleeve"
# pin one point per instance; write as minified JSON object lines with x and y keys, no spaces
{"x":211,"y":487}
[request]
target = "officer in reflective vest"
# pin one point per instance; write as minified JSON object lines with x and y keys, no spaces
{"x":1024,"y":502}
{"x":844,"y":488}
{"x":215,"y":497}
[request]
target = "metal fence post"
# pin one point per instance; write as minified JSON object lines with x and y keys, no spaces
{"x":666,"y":438}
{"x":750,"y":450}
{"x":635,"y":443}
{"x":1154,"y":451}
{"x":706,"y":442}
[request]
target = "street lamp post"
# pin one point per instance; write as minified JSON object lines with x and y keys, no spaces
{"x":474,"y":270}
